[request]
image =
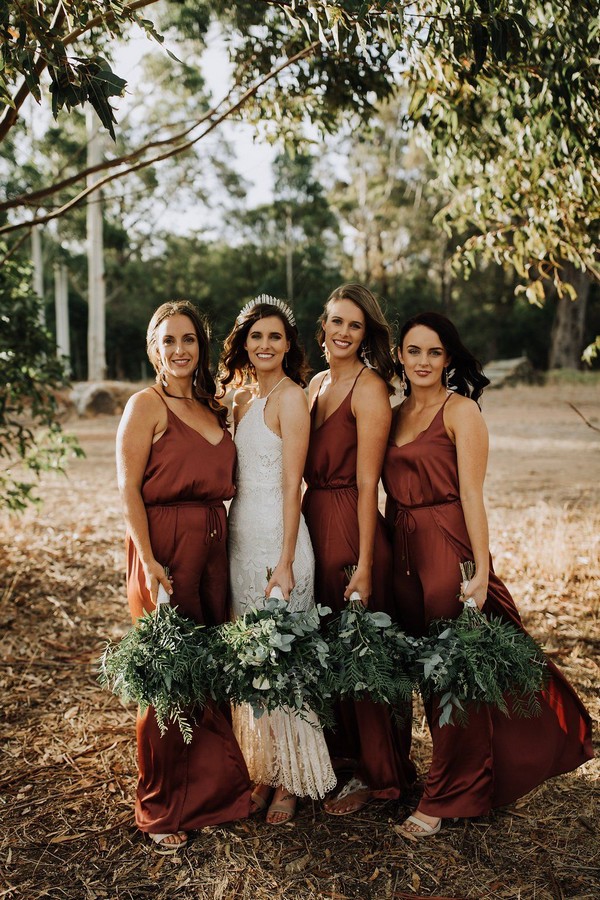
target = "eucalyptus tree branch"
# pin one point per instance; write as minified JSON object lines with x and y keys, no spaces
{"x":175,"y":151}
{"x":34,"y":197}
{"x":11,"y":113}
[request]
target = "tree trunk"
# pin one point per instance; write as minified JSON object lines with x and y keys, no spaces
{"x":61,"y":301}
{"x":567,"y":341}
{"x":96,"y":285}
{"x":37,"y":260}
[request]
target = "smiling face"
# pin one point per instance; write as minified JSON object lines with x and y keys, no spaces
{"x":344,"y":329}
{"x":266,"y":344}
{"x":177,"y":346}
{"x":423,"y":357}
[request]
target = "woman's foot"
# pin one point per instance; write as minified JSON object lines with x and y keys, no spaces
{"x":419,"y":826}
{"x":260,"y":797}
{"x":282,"y":808}
{"x":352,"y":798}
{"x":166,"y":844}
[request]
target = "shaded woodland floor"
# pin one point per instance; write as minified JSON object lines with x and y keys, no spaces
{"x":67,"y":750}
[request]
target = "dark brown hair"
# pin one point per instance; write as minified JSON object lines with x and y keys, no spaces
{"x":466,"y":374}
{"x":204,"y":388}
{"x":234,"y":364}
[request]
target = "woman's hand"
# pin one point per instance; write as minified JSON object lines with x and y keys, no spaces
{"x":477,"y":589}
{"x":155,"y":575}
{"x":361,"y":583}
{"x":283,"y":576}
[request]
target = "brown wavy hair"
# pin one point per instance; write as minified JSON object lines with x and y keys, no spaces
{"x":205,"y":387}
{"x":378,"y":338}
{"x":234,"y":365}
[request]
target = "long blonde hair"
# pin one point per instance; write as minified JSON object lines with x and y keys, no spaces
{"x":378,"y":338}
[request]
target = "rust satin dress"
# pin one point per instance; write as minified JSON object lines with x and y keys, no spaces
{"x":187,"y":786}
{"x":494,"y":759}
{"x":364,"y":730}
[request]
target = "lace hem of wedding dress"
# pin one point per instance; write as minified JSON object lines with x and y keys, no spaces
{"x":283,"y":749}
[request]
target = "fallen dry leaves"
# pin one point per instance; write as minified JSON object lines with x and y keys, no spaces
{"x":67,"y":753}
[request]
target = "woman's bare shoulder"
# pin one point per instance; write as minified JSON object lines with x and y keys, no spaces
{"x":292,"y":399}
{"x":462,"y":406}
{"x":144,"y":401}
{"x":371,"y":385}
{"x":463,"y":413}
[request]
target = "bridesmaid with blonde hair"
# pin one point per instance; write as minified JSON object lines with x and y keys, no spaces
{"x":350,"y":423}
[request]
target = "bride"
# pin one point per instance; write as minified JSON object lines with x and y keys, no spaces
{"x":268,"y":536}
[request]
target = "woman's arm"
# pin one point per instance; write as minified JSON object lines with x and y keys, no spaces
{"x":294,"y":426}
{"x":139,"y":423}
{"x":371,"y":407}
{"x":469,"y":431}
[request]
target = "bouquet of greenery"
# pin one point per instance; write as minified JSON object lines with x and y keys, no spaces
{"x":476,"y":659}
{"x":272,"y":658}
{"x":370,"y":656}
{"x":162,"y":662}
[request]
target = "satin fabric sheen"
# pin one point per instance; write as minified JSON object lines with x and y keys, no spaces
{"x":186,"y":786}
{"x":365,"y":731}
{"x":494,"y":759}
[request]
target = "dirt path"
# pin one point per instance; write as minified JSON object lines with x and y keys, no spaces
{"x":67,"y":766}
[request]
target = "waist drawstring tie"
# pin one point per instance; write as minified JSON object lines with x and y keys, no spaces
{"x":214,"y":524}
{"x":405,"y":522}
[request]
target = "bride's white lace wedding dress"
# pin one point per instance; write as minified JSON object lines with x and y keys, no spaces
{"x":279,"y":748}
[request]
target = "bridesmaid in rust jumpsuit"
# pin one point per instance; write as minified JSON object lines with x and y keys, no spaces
{"x":176,"y":462}
{"x":433,"y":474}
{"x":350,"y":419}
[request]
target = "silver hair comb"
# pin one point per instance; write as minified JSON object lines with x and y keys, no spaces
{"x":269,"y":301}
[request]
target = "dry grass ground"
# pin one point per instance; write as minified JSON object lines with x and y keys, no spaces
{"x":67,"y":763}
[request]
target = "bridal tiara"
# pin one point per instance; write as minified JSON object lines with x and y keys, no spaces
{"x":269,"y":301}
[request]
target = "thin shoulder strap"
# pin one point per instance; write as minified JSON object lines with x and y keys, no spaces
{"x":158,"y":394}
{"x":357,"y":377}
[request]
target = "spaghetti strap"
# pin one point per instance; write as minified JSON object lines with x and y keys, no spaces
{"x":158,"y":394}
{"x":357,"y":377}
{"x":281,"y":380}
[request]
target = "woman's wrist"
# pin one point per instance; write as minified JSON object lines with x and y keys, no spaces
{"x":285,"y":562}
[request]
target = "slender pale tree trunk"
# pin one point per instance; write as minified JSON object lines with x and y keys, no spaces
{"x":37,"y":260}
{"x":567,"y":338}
{"x":95,"y":248}
{"x":61,"y":301}
{"x":289,"y":255}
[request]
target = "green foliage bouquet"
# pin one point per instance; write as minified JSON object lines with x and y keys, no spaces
{"x":476,"y":659}
{"x":370,"y":656}
{"x":163,"y":662}
{"x":272,"y":658}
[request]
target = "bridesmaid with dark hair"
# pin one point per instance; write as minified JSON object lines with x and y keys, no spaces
{"x":350,"y":421}
{"x":175,"y":467}
{"x":433,"y":473}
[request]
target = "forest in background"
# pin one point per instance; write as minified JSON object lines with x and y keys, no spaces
{"x":369,"y":183}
